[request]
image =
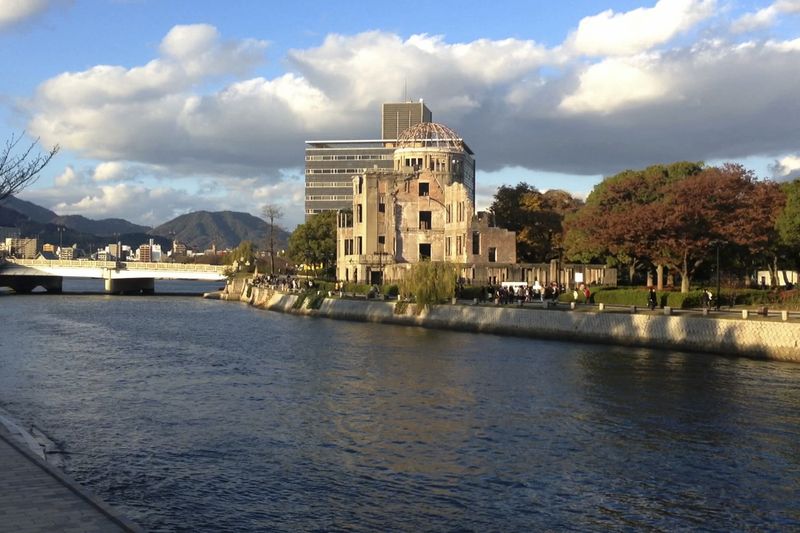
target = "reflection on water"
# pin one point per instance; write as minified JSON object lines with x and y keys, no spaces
{"x":197,"y":415}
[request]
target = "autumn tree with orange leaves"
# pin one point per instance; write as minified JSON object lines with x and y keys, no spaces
{"x":676,"y":215}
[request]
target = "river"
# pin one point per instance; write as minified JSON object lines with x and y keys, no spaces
{"x":198,"y":415}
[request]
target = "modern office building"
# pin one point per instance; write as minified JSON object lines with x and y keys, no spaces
{"x":397,"y":118}
{"x":330,"y":165}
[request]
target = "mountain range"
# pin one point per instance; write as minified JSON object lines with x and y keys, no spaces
{"x":198,"y":230}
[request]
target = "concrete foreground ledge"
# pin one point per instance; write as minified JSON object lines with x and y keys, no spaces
{"x":750,"y":338}
{"x":37,"y":498}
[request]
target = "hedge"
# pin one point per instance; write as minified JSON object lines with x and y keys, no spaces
{"x":473,"y":291}
{"x":674,"y":299}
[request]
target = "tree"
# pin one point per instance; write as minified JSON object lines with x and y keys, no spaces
{"x":244,"y":254}
{"x":536,"y":217}
{"x":618,"y":218}
{"x":20,"y":169}
{"x":720,"y":205}
{"x":271,"y":212}
{"x":429,"y":282}
{"x":788,"y":222}
{"x":314,"y":243}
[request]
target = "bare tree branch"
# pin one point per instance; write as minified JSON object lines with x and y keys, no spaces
{"x":20,"y":169}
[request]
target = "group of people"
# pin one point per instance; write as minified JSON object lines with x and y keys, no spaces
{"x":524,"y":293}
{"x":582,"y":291}
{"x":281,"y":283}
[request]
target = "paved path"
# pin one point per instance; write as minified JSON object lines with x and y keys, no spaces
{"x":35,"y":497}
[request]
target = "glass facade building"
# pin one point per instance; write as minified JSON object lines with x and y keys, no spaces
{"x":331,"y":165}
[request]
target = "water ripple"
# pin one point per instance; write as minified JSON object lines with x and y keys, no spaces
{"x":192,"y":415}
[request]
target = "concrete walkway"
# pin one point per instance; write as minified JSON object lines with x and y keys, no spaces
{"x":35,"y":497}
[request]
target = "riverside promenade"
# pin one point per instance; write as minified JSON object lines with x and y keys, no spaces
{"x":37,"y":498}
{"x":755,"y":338}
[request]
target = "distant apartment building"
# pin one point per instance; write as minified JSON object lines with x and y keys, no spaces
{"x":118,"y":251}
{"x":114,"y":251}
{"x":49,"y":248}
{"x":144,"y":254}
{"x":21,"y":247}
{"x":178,"y":248}
{"x":66,"y":253}
{"x":330,"y":165}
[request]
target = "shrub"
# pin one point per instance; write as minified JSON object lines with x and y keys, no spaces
{"x":357,"y":288}
{"x":472,"y":291}
{"x":390,"y":290}
{"x":299,"y":302}
{"x":315,"y":299}
{"x":674,"y":299}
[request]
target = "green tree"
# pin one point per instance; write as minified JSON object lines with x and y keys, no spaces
{"x":243,"y":255}
{"x":536,"y":217}
{"x":788,"y":223}
{"x":314,"y":243}
{"x":429,"y":283}
{"x":787,"y":226}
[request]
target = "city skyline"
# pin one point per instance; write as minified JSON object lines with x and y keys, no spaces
{"x":165,"y":108}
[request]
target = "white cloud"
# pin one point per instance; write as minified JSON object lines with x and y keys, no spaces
{"x":765,"y":17}
{"x":786,"y":168}
{"x":360,"y":72}
{"x":191,"y":54}
{"x":516,"y":103}
{"x":152,"y":200}
{"x":618,"y":82}
{"x":632,"y":32}
{"x":109,"y":171}
{"x":13,"y":12}
{"x":256,"y":126}
{"x":67,"y":177}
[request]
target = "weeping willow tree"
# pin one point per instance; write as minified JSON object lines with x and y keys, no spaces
{"x":429,"y":283}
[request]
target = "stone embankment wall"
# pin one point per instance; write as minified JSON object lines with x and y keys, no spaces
{"x":752,"y":338}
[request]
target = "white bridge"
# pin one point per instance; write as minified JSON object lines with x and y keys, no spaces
{"x":23,"y":275}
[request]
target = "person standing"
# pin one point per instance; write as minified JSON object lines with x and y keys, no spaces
{"x":652,"y":298}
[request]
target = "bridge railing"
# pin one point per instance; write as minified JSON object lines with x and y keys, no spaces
{"x":73,"y":263}
{"x":122,"y":265}
{"x":186,"y":267}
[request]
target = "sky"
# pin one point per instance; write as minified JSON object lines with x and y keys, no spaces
{"x":165,"y":107}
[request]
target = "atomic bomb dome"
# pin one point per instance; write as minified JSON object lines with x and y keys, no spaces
{"x":430,"y":135}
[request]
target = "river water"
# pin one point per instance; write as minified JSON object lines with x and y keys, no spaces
{"x":198,"y":415}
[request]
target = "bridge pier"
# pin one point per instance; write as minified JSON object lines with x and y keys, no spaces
{"x":129,"y":285}
{"x":25,"y":284}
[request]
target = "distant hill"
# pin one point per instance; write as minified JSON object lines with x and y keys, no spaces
{"x":34,"y":212}
{"x":105,"y":227}
{"x":226,"y":229}
{"x":11,"y":218}
{"x":79,"y":223}
{"x":198,"y":230}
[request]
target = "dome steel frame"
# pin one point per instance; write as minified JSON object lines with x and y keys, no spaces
{"x":430,"y":135}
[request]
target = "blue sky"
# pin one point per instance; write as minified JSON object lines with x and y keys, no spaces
{"x":167,"y":107}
